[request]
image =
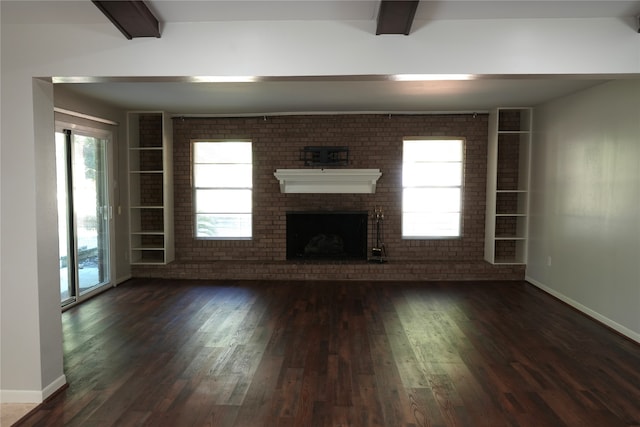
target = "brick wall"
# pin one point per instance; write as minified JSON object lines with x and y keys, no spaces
{"x":374,"y":141}
{"x":151,"y":184}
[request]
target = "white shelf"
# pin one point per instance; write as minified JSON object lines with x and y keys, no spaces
{"x":148,"y":248}
{"x":343,"y":181}
{"x":150,"y":188}
{"x":508,"y":163}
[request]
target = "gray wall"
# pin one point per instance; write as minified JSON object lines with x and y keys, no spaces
{"x":585,"y":203}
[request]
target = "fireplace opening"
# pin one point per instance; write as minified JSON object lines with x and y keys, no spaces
{"x":327,"y":235}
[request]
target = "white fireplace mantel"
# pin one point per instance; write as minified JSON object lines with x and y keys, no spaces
{"x":328,"y":180}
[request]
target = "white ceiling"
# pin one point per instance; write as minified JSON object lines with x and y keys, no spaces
{"x":347,"y":10}
{"x":331,"y":93}
{"x":84,"y":12}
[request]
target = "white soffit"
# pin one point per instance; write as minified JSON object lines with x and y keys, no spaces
{"x":328,"y":180}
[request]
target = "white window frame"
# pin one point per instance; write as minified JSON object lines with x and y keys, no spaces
{"x":423,"y":208}
{"x":99,"y":129}
{"x":229,"y":185}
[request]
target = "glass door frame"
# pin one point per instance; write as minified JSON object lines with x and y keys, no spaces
{"x":107,"y":136}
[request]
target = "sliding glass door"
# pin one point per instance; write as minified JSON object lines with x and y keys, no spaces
{"x":84,"y":212}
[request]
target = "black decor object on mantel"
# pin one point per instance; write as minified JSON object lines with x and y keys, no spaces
{"x":325,"y":156}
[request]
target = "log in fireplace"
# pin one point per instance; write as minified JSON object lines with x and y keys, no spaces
{"x":327,"y":235}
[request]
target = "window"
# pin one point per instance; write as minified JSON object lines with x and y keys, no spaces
{"x":432,"y":188}
{"x":222,"y":182}
{"x":85,"y":226}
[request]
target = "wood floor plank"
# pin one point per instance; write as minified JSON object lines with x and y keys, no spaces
{"x":181,"y":353}
{"x":258,"y":402}
{"x":393,"y":396}
{"x":425,"y":408}
{"x":309,"y":394}
{"x":221,"y":416}
{"x":288,"y":393}
{"x":481,"y":407}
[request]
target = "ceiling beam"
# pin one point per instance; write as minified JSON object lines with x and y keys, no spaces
{"x":132,"y":17}
{"x":396,"y":16}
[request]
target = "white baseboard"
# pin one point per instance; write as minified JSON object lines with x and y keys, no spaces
{"x":59,"y":382}
{"x":586,"y":310}
{"x":32,"y":396}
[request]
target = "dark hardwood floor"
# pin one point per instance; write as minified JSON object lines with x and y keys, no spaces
{"x":187,"y":353}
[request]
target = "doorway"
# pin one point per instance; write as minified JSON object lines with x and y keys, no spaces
{"x":84,"y":211}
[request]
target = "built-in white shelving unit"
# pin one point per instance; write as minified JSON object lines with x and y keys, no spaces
{"x":150,"y":188}
{"x":508,"y":175}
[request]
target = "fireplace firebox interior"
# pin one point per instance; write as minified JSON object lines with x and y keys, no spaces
{"x":327,"y":235}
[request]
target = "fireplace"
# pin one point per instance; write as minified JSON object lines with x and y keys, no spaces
{"x":327,"y":235}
